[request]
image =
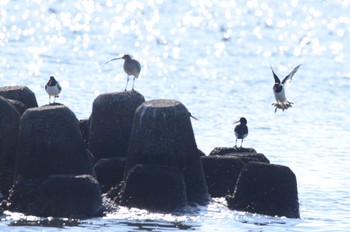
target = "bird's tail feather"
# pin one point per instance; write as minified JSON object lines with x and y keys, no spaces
{"x":282,"y":105}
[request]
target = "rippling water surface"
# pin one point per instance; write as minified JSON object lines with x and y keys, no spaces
{"x":215,"y":57}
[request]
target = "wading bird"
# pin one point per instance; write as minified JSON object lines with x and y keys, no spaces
{"x":53,"y":89}
{"x":131,"y":66}
{"x":241,"y":130}
{"x":279,"y":92}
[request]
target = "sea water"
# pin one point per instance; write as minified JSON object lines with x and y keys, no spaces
{"x":213,"y":56}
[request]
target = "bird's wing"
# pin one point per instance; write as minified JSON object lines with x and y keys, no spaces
{"x":290,"y":75}
{"x":138,"y":66}
{"x":277,"y":80}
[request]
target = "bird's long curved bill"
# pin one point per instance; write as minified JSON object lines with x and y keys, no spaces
{"x":113,"y":59}
{"x":193,"y":117}
{"x":236,"y":122}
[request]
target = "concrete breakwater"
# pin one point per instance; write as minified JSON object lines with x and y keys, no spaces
{"x":140,"y":153}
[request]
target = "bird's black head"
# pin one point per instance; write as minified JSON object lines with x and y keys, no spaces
{"x":126,"y":57}
{"x":243,"y":121}
{"x":52,"y":81}
{"x":277,"y":88}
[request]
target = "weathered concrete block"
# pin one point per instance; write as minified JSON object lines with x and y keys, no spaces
{"x":57,"y":196}
{"x":230,"y":150}
{"x":266,"y":189}
{"x":2,"y":167}
{"x":72,"y":196}
{"x":7,"y":181}
{"x":84,"y":125}
{"x":19,"y":93}
{"x":111,"y":123}
{"x":221,"y":173}
{"x":250,"y":157}
{"x":110,"y":172}
{"x":154,"y":187}
{"x":246,"y":154}
{"x":9,"y":122}
{"x":162,"y":134}
{"x":50,"y":142}
{"x":18,"y":105}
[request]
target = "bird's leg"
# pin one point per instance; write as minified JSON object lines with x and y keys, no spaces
{"x":49,"y":100}
{"x":236,"y":143}
{"x":127,"y":81}
{"x":133,"y":84}
{"x":241,"y":143}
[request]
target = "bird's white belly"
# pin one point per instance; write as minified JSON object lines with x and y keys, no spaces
{"x":281,"y":96}
{"x":132,"y":69}
{"x":52,"y":90}
{"x":241,"y":136}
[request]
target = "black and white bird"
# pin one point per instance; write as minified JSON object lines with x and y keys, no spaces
{"x":131,"y":66}
{"x":279,"y":90}
{"x":241,"y":130}
{"x":53,"y":89}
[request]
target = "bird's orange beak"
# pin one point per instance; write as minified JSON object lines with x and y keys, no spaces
{"x":236,"y":122}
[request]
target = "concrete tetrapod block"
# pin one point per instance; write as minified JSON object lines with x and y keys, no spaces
{"x":72,"y":196}
{"x":111,"y":123}
{"x":19,"y":93}
{"x":228,"y":150}
{"x":3,"y":187}
{"x":110,"y":172}
{"x":154,"y":187}
{"x":84,"y":125}
{"x":162,"y":134}
{"x":221,"y":173}
{"x":246,"y":154}
{"x":9,"y":121}
{"x":268,"y":189}
{"x":58,"y":196}
{"x":18,"y":105}
{"x":50,"y":142}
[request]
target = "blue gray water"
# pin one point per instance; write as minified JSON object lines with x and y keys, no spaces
{"x":214,"y":56}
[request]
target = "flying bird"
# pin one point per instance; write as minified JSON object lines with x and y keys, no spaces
{"x":279,"y":90}
{"x":241,"y":130}
{"x":131,"y":66}
{"x":53,"y":89}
